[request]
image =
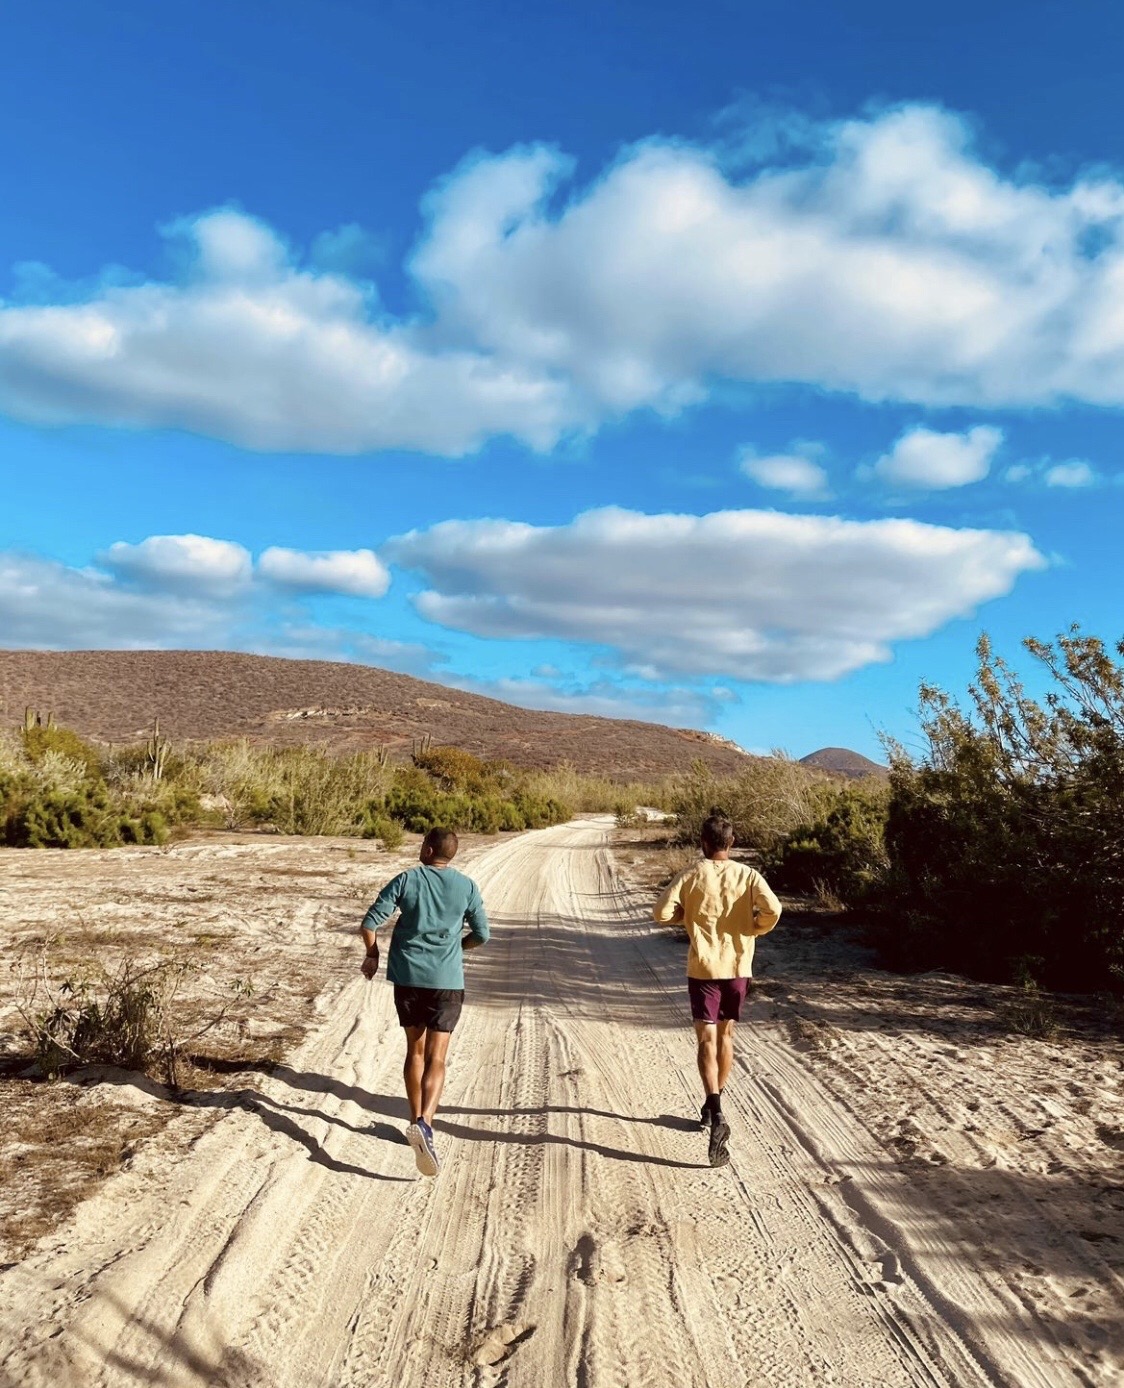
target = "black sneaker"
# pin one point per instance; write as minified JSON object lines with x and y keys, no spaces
{"x":704,"y":1119}
{"x":719,"y":1141}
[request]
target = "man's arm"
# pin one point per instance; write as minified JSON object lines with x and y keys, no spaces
{"x":378,"y":913}
{"x":669,"y":908}
{"x":476,"y":918}
{"x":766,"y":907}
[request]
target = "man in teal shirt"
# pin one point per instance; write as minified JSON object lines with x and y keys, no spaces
{"x":426,"y":966}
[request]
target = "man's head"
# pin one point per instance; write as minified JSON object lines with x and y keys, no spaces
{"x":717,"y":835}
{"x":439,"y":845}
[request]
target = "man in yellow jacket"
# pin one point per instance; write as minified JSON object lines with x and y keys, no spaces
{"x":723,"y":906}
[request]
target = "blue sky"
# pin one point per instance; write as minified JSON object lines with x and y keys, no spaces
{"x":733,"y":365}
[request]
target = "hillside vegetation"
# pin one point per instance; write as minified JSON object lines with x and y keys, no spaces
{"x":59,"y":791}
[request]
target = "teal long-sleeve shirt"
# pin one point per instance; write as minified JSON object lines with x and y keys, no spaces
{"x":434,"y":905}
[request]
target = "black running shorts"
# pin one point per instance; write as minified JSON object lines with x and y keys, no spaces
{"x":432,"y":1009}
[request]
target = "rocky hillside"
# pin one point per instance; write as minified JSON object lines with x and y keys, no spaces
{"x":113,"y":696}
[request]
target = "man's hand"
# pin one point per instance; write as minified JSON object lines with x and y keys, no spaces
{"x":370,"y":965}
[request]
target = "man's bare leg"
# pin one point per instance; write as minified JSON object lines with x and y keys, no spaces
{"x":413,"y":1071}
{"x":715,"y":1057}
{"x":433,"y":1081}
{"x":725,"y":1041}
{"x":706,"y":1034}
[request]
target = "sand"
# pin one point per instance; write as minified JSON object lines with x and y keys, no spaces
{"x":575,"y":1234}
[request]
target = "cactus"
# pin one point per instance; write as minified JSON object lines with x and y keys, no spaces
{"x":29,"y":719}
{"x":156,"y":751}
{"x":419,"y":746}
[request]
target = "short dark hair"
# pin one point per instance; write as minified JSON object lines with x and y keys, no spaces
{"x":442,"y":843}
{"x":717,"y":834}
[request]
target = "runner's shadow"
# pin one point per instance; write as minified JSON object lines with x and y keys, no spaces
{"x":395,"y":1108}
{"x":676,"y":1122}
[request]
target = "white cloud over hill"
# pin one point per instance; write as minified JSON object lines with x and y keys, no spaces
{"x":882,"y":257}
{"x":356,"y":573}
{"x":925,"y":460}
{"x":756,"y":595}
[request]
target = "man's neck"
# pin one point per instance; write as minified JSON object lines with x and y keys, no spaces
{"x":722,"y":856}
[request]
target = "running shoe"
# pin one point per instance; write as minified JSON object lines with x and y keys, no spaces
{"x":420,"y":1137}
{"x":704,"y":1119}
{"x":719,"y":1142}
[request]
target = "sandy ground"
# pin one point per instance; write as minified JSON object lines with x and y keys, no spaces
{"x":915,"y":1198}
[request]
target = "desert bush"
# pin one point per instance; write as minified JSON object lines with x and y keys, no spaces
{"x":388,"y":831}
{"x":1003,"y":842}
{"x":126,"y":1016}
{"x":53,"y":795}
{"x":765,"y":802}
{"x":840,"y":853}
{"x":40,"y":742}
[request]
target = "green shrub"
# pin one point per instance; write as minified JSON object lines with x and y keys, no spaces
{"x":382,"y":827}
{"x":1004,"y":842}
{"x":842,"y":851}
{"x":40,"y":741}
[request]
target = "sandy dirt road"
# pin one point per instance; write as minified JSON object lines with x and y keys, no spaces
{"x":575,"y":1235}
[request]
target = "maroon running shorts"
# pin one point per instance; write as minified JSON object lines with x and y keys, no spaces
{"x":717,"y":999}
{"x":428,"y":1009}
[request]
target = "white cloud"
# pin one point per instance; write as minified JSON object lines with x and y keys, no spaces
{"x":879,"y":256}
{"x":181,"y":563}
{"x":186,"y":590}
{"x":1074,"y":473}
{"x":47,"y":605}
{"x":356,"y":573}
{"x":675,"y":707}
{"x":794,"y":472}
{"x":751,"y":594}
{"x":923,"y":458}
{"x":248,"y":347}
{"x":888,"y":261}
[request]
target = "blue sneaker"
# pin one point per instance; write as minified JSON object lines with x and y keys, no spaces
{"x":420,"y":1137}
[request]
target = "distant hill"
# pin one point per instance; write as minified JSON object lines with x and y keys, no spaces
{"x":113,"y":696}
{"x":840,"y":761}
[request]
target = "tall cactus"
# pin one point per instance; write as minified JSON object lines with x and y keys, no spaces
{"x":156,"y":752}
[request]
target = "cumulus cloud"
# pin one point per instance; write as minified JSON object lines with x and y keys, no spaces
{"x":752,"y":594}
{"x":677,"y":707}
{"x":47,"y":605}
{"x":925,"y":459}
{"x":1071,"y":474}
{"x":356,"y":573}
{"x":794,"y":472}
{"x":182,"y":590}
{"x":884,"y":259}
{"x":178,"y":563}
{"x":247,"y":346}
{"x":1074,"y":473}
{"x":880,"y":256}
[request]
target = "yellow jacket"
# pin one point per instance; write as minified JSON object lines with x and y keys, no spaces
{"x":723,"y":906}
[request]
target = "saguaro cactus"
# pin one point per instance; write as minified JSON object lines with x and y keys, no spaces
{"x":156,"y":751}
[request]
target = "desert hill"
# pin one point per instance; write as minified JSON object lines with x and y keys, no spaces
{"x":113,"y":696}
{"x":840,"y":761}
